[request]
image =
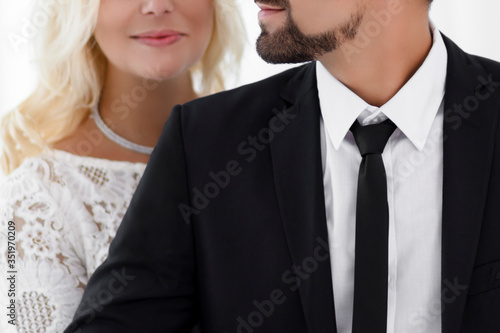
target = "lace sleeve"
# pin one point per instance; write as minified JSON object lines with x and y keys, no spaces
{"x":50,"y":276}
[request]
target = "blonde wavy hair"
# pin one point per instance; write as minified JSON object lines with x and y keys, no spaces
{"x":71,"y":72}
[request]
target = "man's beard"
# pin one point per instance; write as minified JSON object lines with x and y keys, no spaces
{"x":289,"y":45}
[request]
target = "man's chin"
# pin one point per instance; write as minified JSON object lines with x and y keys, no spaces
{"x":265,"y":49}
{"x":275,"y":50}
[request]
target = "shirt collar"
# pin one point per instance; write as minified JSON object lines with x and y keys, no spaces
{"x":412,"y":109}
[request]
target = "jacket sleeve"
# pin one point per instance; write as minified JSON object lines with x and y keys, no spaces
{"x":148,"y":281}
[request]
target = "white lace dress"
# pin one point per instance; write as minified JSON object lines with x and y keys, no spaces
{"x":66,"y":210}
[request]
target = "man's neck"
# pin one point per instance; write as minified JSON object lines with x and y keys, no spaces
{"x":376,"y":66}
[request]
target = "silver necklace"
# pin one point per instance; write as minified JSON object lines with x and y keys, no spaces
{"x":115,"y":137}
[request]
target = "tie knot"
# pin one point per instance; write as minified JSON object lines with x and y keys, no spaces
{"x":371,"y":139}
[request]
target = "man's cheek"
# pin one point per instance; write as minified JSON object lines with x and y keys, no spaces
{"x":311,"y":19}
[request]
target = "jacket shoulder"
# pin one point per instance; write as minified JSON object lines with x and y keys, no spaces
{"x":231,"y":116}
{"x":491,"y":67}
{"x":460,"y":58}
{"x":248,"y":96}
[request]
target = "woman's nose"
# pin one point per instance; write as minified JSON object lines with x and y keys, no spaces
{"x":156,"y":7}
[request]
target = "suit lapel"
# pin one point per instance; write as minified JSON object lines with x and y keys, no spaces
{"x":469,"y":129}
{"x":298,"y":174}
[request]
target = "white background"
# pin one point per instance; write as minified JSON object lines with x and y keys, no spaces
{"x":472,"y":24}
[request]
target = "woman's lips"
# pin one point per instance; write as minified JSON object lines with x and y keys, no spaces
{"x":158,"y":38}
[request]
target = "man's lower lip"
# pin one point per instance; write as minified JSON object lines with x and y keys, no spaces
{"x":158,"y":42}
{"x":268,"y":12}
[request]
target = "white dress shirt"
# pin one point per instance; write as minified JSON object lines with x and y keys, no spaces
{"x":413,"y":160}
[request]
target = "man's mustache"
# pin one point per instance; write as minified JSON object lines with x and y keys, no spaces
{"x":275,"y":3}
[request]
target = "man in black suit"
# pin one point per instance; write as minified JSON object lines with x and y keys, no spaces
{"x":246,"y":216}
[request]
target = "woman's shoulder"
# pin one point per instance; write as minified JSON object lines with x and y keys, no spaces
{"x":33,"y":174}
{"x":53,"y":169}
{"x":37,"y":172}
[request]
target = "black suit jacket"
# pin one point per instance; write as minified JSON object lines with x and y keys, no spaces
{"x":227,"y":229}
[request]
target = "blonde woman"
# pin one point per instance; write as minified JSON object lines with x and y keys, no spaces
{"x":110,"y":72}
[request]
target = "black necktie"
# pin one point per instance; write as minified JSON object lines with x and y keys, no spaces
{"x":372,"y":230}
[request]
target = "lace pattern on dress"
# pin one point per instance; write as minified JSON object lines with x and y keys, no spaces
{"x":66,"y":209}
